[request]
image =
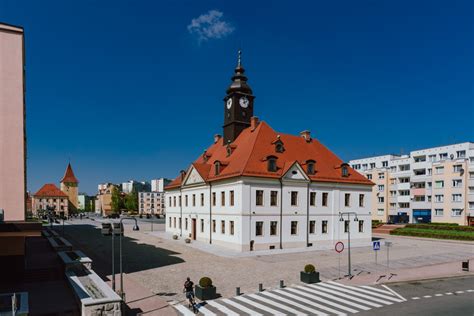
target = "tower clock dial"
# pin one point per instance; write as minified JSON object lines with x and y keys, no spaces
{"x":244,"y":102}
{"x":229,"y":103}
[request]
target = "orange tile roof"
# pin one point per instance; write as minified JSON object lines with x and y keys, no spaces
{"x":50,"y":190}
{"x":251,"y":149}
{"x":69,"y":175}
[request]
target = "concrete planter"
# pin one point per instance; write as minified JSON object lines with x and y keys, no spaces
{"x":207,"y":293}
{"x":21,"y":304}
{"x":59,"y":244}
{"x":93,"y":295}
{"x":71,"y":259}
{"x":309,"y":278}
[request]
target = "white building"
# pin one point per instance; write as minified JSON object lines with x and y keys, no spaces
{"x":256,"y":189}
{"x":131,"y":185}
{"x":151,"y":203}
{"x":428,"y":185}
{"x":158,"y":185}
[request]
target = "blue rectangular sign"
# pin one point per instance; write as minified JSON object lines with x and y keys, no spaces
{"x":376,"y":245}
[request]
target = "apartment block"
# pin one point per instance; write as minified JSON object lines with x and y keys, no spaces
{"x":427,"y":185}
{"x":151,"y":203}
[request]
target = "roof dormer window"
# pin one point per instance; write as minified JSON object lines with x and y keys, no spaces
{"x":217,"y":167}
{"x":271,"y":163}
{"x":310,"y":166}
{"x":344,"y":170}
{"x":279,"y":148}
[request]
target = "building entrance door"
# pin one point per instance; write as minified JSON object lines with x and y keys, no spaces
{"x":193,"y":229}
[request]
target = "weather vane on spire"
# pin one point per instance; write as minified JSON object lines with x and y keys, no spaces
{"x":239,"y":58}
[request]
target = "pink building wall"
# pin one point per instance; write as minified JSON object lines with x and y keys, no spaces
{"x":12,"y":124}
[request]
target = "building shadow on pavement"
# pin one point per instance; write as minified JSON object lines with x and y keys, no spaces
{"x":136,"y":256}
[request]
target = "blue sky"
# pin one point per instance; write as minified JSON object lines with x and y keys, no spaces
{"x":133,"y":89}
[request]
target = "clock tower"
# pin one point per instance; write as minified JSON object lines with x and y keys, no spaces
{"x":238,"y":104}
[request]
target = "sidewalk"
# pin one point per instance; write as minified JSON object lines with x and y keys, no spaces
{"x":139,"y":300}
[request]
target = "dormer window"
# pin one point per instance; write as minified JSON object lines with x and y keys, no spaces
{"x":310,"y":166}
{"x":279,"y":148}
{"x":344,"y":170}
{"x":217,"y":167}
{"x":229,"y":150}
{"x":272,"y":163}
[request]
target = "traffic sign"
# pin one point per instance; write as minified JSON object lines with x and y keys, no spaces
{"x":376,"y":245}
{"x":339,"y":247}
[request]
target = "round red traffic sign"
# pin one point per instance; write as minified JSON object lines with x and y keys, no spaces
{"x":339,"y":247}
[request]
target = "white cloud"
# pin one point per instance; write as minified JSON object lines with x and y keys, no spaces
{"x":209,"y":26}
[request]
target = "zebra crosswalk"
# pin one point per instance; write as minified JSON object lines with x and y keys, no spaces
{"x":321,"y":299}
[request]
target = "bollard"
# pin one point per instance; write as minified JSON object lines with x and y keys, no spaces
{"x":260,"y":287}
{"x":282,"y":285}
{"x":237,"y":291}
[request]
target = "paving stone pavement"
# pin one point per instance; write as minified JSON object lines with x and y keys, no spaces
{"x":328,"y":298}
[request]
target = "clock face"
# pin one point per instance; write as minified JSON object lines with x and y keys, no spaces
{"x":244,"y":102}
{"x":229,"y":103}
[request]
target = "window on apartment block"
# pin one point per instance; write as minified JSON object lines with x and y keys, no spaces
{"x":324,"y":227}
{"x":223,"y":198}
{"x":461,"y":154}
{"x":231,"y":193}
{"x":294,"y":198}
{"x":361,"y":226}
{"x":380,"y":211}
{"x":381,"y":199}
{"x":372,"y":165}
{"x":381,"y":187}
{"x":273,"y":228}
{"x":259,"y":197}
{"x":202,"y":226}
{"x":439,"y":212}
{"x":443,"y":156}
{"x":213,"y":225}
{"x":439,"y":184}
{"x":294,"y":227}
{"x":381,"y":175}
{"x":439,"y":198}
{"x":404,"y":180}
{"x":273,"y":198}
{"x":347,"y":199}
{"x":346,"y":226}
{"x":456,"y":212}
{"x":202,"y":199}
{"x":312,"y":198}
{"x":471,"y":175}
{"x":471,"y":205}
{"x":324,"y":201}
{"x":361,"y":200}
{"x":369,"y":176}
{"x":457,"y":183}
{"x":180,"y":223}
{"x":457,"y":168}
{"x":457,"y":197}
{"x":439,"y":170}
{"x":312,"y":227}
{"x":384,"y":163}
{"x":223,"y":227}
{"x":231,"y":227}
{"x":194,"y":199}
{"x":213,"y":198}
{"x":258,"y":228}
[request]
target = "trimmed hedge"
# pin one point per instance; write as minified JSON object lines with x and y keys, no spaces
{"x":441,"y":227}
{"x":205,"y":282}
{"x":434,"y":233}
{"x":309,"y":268}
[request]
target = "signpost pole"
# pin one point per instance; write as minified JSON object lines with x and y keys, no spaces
{"x":375,"y":257}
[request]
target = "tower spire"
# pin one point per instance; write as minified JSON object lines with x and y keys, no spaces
{"x":239,"y":58}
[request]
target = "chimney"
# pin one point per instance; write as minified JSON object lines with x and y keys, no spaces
{"x":183,"y":174}
{"x":253,"y":122}
{"x":216,"y":138}
{"x":306,"y":135}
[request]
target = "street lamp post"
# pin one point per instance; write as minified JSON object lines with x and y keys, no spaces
{"x":341,"y":219}
{"x":135,"y":228}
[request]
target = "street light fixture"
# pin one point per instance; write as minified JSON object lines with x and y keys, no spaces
{"x":341,"y":219}
{"x":135,"y":228}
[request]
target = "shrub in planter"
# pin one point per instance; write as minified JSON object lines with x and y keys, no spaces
{"x":187,"y":240}
{"x":309,"y":275}
{"x":175,"y":237}
{"x":205,"y":290}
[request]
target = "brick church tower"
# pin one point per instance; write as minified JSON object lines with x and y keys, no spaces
{"x":70,"y":186}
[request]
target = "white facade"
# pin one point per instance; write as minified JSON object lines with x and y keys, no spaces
{"x":158,"y":185}
{"x":232,"y":214}
{"x":434,"y":184}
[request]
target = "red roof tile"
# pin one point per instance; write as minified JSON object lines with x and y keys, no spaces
{"x":50,"y":190}
{"x":69,"y":175}
{"x":250,"y":152}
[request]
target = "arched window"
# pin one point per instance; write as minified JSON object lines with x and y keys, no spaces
{"x":344,"y":170}
{"x":217,"y":167}
{"x":310,"y":169}
{"x":271,"y":163}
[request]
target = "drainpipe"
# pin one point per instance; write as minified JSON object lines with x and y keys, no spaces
{"x":181,"y":211}
{"x":281,"y":214}
{"x":210,"y":212}
{"x":307,"y":215}
{"x":250,"y":214}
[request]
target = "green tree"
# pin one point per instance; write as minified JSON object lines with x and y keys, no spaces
{"x":131,"y":201}
{"x":117,"y":202}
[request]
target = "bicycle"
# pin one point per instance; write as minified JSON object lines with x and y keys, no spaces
{"x":192,"y":302}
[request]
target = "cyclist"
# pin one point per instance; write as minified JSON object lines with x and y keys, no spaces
{"x":189,"y":290}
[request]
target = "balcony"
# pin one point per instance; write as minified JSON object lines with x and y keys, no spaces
{"x":418,"y":191}
{"x":403,"y":186}
{"x":470,"y":197}
{"x":420,"y":205}
{"x":403,"y":199}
